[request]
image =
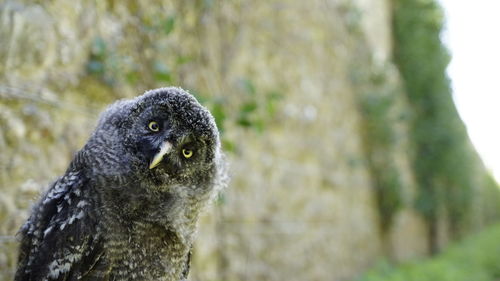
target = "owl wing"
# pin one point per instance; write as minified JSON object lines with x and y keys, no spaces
{"x":187,"y":267}
{"x":60,"y":240}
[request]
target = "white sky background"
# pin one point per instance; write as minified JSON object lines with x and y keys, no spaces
{"x":473,"y":36}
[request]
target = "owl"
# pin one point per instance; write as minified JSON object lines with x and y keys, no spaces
{"x":126,"y":208}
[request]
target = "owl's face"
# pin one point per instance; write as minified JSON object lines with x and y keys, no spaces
{"x":164,"y":136}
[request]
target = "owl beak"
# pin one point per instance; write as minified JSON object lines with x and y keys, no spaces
{"x":164,"y":149}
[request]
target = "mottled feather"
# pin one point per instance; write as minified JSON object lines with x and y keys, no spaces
{"x":111,"y":216}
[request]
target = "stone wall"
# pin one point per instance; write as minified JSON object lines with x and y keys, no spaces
{"x":284,"y":79}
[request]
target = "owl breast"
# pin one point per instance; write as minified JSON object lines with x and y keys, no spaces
{"x":144,"y":251}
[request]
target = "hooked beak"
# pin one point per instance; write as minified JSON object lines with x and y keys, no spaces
{"x":164,"y":149}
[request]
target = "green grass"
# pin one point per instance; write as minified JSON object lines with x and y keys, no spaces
{"x":476,"y":258}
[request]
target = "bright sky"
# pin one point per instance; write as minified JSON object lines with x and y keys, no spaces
{"x":473,"y":37}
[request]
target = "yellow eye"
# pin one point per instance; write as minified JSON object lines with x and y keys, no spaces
{"x":153,"y":126}
{"x":187,"y":153}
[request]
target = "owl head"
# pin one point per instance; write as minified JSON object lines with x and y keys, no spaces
{"x":161,"y":138}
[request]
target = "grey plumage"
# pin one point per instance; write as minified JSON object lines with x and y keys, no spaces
{"x":127,"y":206}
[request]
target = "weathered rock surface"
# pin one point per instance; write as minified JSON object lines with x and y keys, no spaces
{"x":285,"y":78}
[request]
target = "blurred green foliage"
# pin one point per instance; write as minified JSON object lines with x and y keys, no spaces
{"x":442,"y":160}
{"x":257,"y":108}
{"x":254,"y":109}
{"x":473,"y":259}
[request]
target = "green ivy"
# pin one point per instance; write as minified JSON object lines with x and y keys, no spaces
{"x":254,"y":110}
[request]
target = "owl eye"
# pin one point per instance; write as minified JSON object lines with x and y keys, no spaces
{"x":153,"y":126}
{"x":187,"y":153}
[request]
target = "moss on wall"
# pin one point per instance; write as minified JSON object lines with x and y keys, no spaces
{"x":313,"y":117}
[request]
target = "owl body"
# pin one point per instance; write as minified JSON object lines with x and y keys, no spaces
{"x":127,"y":206}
